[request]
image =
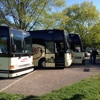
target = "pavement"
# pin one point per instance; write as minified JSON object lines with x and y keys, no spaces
{"x":42,"y":81}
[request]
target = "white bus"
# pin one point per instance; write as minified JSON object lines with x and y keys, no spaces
{"x":16,"y":55}
{"x":78,"y":53}
{"x":51,"y":48}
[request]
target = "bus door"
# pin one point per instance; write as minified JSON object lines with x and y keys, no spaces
{"x":59,"y":49}
{"x":50,"y":54}
{"x":59,"y":54}
{"x":78,"y":56}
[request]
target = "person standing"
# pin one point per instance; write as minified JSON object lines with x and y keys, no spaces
{"x":94,"y":53}
{"x":91,"y":57}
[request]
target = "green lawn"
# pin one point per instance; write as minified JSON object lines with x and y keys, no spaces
{"x":87,"y":89}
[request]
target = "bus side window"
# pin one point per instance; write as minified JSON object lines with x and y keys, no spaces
{"x":49,"y":47}
{"x":3,"y":45}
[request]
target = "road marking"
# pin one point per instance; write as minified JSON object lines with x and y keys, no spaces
{"x":16,"y":81}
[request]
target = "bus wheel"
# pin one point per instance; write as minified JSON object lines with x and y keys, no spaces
{"x":42,"y":63}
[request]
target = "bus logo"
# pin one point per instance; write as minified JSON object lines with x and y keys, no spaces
{"x":38,"y":51}
{"x":24,"y":60}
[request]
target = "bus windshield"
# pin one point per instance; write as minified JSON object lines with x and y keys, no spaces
{"x":22,"y":41}
{"x":27,"y":42}
{"x":76,"y":39}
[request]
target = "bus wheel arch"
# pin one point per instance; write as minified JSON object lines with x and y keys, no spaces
{"x":42,"y":62}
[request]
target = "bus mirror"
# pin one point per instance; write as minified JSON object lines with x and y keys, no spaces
{"x":14,"y":48}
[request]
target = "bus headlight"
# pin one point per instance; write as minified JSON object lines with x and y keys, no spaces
{"x":12,"y":67}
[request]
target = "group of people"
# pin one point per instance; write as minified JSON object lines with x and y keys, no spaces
{"x":93,"y":55}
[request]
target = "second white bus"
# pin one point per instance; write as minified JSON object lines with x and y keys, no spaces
{"x":51,"y":48}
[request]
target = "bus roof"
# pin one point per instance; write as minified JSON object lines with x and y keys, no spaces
{"x":57,"y":34}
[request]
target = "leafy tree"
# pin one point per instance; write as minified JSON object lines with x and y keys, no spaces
{"x":1,"y":19}
{"x":28,"y":14}
{"x":56,"y":20}
{"x":95,"y":35}
{"x":82,"y":19}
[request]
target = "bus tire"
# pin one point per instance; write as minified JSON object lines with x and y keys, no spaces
{"x":41,"y":63}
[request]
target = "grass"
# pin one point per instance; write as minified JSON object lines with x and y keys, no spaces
{"x":87,"y":89}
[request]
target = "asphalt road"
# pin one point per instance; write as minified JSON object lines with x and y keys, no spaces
{"x":42,"y":81}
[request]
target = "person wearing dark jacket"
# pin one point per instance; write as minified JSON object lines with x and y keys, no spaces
{"x":94,"y":53}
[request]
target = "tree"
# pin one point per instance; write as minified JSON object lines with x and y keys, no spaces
{"x":82,"y":19}
{"x":95,"y":35}
{"x":56,"y":20}
{"x":27,"y":14}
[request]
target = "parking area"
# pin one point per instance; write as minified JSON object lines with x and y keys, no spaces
{"x":43,"y":81}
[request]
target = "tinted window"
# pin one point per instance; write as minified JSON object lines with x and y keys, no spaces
{"x":4,"y":39}
{"x":49,"y":47}
{"x":3,"y":31}
{"x":3,"y":44}
{"x":27,"y":42}
{"x":17,"y":39}
{"x":74,"y":38}
{"x":41,"y":35}
{"x":58,"y":35}
{"x":22,"y":40}
{"x":38,"y":41}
